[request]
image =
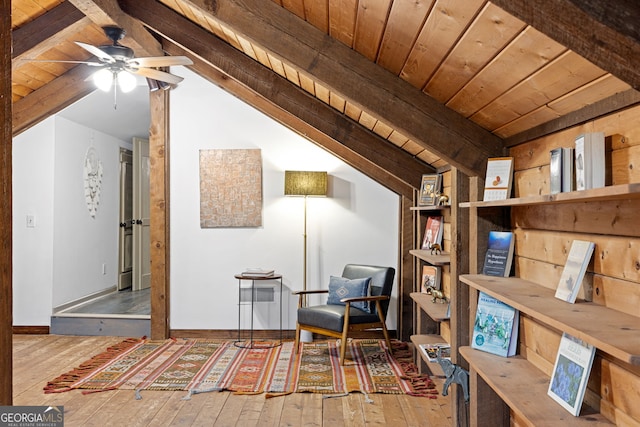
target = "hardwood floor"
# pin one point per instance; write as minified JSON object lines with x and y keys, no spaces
{"x":39,"y":358}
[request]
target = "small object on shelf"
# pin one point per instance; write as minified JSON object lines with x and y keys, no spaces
{"x":433,"y":232}
{"x":257,"y":272}
{"x":435,"y":249}
{"x":499,"y":256}
{"x":574,"y":269}
{"x":497,"y":184}
{"x":430,"y":278}
{"x":443,"y":200}
{"x":590,"y":161}
{"x":436,"y":295}
{"x":454,"y":374}
{"x":571,"y":372}
{"x":429,"y":189}
{"x":433,"y":351}
{"x":495,"y":329}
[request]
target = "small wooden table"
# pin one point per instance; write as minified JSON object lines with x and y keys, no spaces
{"x":251,"y":344}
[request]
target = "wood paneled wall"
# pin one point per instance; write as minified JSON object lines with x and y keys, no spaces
{"x":543,"y":239}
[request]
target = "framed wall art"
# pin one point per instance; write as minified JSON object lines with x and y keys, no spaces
{"x":429,"y":189}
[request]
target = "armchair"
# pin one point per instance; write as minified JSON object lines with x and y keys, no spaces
{"x":338,"y":320}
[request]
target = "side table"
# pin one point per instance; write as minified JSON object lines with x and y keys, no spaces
{"x":240,"y":342}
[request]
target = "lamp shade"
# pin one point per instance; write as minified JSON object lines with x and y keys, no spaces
{"x":305,"y":183}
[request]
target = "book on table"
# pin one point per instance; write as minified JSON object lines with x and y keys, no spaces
{"x":571,"y":373}
{"x":432,"y":351}
{"x":430,"y":278}
{"x":499,"y":256}
{"x":433,"y":232}
{"x":258,"y":272}
{"x":495,"y":329}
{"x":499,"y":176}
{"x":574,"y":269}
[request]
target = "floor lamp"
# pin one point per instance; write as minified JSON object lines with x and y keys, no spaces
{"x":305,"y":183}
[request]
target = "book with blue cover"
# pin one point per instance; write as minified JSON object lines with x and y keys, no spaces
{"x":495,"y":329}
{"x":499,"y":256}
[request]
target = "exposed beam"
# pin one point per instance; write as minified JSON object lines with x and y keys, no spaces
{"x":51,"y":98}
{"x":108,"y":12}
{"x":377,"y":157}
{"x":46,"y":31}
{"x":6,"y":295}
{"x":367,"y":85}
{"x":590,"y":112}
{"x":604,"y":32}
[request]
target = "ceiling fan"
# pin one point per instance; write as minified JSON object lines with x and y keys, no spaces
{"x":117,"y":64}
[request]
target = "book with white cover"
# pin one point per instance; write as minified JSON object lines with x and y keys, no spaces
{"x":258,"y":272}
{"x":590,"y":161}
{"x":571,"y":373}
{"x":432,"y":350}
{"x":568,"y":177}
{"x":497,"y":184}
{"x":574,"y":269}
{"x":555,"y":171}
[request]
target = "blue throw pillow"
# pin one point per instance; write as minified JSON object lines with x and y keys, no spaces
{"x":339,"y":288}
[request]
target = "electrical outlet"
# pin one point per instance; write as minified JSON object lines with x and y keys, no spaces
{"x":31,"y":221}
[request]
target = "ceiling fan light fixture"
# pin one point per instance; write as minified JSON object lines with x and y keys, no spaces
{"x":126,"y":81}
{"x":103,"y":79}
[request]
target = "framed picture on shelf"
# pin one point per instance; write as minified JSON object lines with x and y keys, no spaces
{"x":429,"y":189}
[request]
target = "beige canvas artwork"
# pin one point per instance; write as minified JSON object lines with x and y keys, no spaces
{"x":230,"y":188}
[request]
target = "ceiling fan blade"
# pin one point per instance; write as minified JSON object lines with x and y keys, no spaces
{"x":156,"y":75}
{"x":159,"y":61}
{"x":103,"y":56}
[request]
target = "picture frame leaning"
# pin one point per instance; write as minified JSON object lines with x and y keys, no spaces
{"x":429,"y":189}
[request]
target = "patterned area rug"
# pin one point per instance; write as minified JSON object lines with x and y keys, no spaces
{"x":198,"y":366}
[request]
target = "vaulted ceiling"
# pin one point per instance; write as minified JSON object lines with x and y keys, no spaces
{"x":410,"y":86}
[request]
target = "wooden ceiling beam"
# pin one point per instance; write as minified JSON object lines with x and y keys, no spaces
{"x":51,"y":98}
{"x":108,"y":12}
{"x":604,"y":32}
{"x":380,"y":159}
{"x":45,"y":32}
{"x":380,"y":93}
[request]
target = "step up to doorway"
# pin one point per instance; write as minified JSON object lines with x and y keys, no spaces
{"x":100,"y":325}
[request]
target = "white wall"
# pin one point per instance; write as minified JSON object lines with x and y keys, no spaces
{"x":358,"y":223}
{"x":60,"y":259}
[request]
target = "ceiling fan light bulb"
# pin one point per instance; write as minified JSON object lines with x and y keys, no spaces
{"x":103,"y":79}
{"x":126,"y":81}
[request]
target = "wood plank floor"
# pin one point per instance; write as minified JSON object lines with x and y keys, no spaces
{"x":39,"y":358}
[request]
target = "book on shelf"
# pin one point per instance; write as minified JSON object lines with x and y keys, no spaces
{"x":571,"y":373}
{"x":430,"y":189}
{"x":430,"y":278}
{"x":433,"y":232}
{"x":561,"y":176}
{"x":590,"y":161}
{"x":432,"y":350}
{"x":497,"y":184}
{"x":499,"y":256}
{"x":495,"y":329}
{"x":574,"y":269}
{"x":258,"y":272}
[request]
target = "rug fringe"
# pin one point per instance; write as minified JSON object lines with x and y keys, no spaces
{"x":270,"y":395}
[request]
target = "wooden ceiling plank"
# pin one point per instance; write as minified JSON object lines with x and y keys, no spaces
{"x":307,"y":84}
{"x":444,"y":25}
{"x":46,"y":31}
{"x":370,"y":23}
{"x":337,"y":102}
{"x":405,"y":20}
{"x":51,"y":98}
{"x":317,"y":13}
{"x":390,"y":162}
{"x":491,"y":31}
{"x":536,"y":117}
{"x":295,"y":6}
{"x":599,"y":89}
{"x":342,"y":20}
{"x":604,"y":33}
{"x":108,"y":12}
{"x":373,"y":89}
{"x":352,"y":111}
{"x":529,"y":51}
{"x":566,"y":73}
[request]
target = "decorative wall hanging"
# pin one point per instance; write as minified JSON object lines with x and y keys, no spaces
{"x":92,"y":180}
{"x":230,"y":188}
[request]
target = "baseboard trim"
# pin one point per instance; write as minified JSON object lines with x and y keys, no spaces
{"x":31,"y":330}
{"x":68,"y":305}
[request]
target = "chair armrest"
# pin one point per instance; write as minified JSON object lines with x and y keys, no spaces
{"x":369,"y":298}
{"x":316,"y":291}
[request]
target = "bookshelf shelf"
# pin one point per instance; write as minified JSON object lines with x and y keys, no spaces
{"x":430,"y":208}
{"x":443,"y":258}
{"x":435,"y":368}
{"x":524,"y":389}
{"x":436,"y":311}
{"x":614,"y":332}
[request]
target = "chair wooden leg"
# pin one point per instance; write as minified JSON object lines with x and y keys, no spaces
{"x":297,"y":343}
{"x":345,"y":334}
{"x":384,"y":325}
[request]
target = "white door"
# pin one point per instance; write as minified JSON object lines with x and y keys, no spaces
{"x":141,"y":230}
{"x":125,"y":235}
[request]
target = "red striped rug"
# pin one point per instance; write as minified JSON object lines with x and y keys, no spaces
{"x":198,"y":365}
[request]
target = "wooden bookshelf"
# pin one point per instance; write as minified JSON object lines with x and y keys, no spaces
{"x":437,"y":311}
{"x":434,"y":367}
{"x":443,"y":258}
{"x":524,"y":389}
